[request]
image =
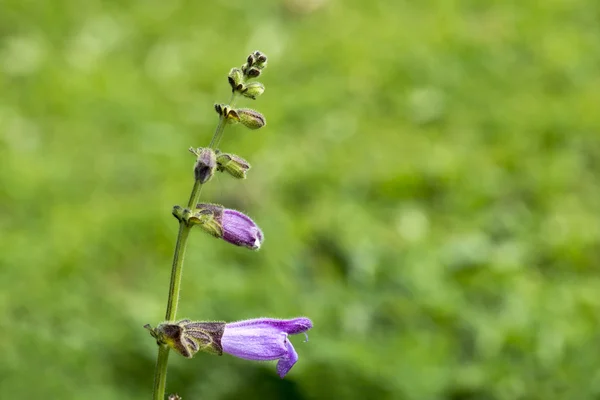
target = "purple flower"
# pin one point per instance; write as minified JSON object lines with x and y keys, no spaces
{"x":240,"y":230}
{"x":230,"y":225}
{"x":265,"y":339}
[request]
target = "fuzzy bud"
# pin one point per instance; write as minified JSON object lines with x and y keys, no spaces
{"x":253,"y":90}
{"x":250,"y":118}
{"x":235,"y":78}
{"x":219,"y":108}
{"x":260,"y":60}
{"x":250,"y":60}
{"x":205,"y":164}
{"x":235,"y":227}
{"x":234,"y":165}
{"x":253,"y":72}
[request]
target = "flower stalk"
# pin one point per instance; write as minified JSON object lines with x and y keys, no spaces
{"x":269,"y":337}
{"x":160,"y":372}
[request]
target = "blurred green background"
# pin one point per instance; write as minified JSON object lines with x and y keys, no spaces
{"x":428,"y":185}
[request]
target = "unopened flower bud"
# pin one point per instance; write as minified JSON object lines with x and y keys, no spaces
{"x":178,"y":212}
{"x":251,"y":118}
{"x":205,"y":164}
{"x":250,"y":60}
{"x":236,"y":228}
{"x":219,"y":108}
{"x":260,"y":60}
{"x":253,"y":90}
{"x":253,"y":72}
{"x":234,"y":165}
{"x":236,"y":77}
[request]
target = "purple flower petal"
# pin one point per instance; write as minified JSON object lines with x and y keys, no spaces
{"x":254,"y":343}
{"x":290,"y":326}
{"x":240,"y":230}
{"x":264,"y":339}
{"x":286,"y":363}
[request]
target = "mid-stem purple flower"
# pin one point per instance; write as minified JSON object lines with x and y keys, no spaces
{"x":240,"y":230}
{"x":265,"y":339}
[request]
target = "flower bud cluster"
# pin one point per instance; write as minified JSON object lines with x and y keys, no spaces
{"x":252,"y":68}
{"x":227,"y":224}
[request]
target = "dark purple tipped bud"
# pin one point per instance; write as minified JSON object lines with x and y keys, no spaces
{"x":253,"y":72}
{"x":250,"y":60}
{"x":236,"y":77}
{"x":206,"y":164}
{"x":234,"y":165}
{"x":260,"y":60}
{"x":219,"y":109}
{"x":251,"y":118}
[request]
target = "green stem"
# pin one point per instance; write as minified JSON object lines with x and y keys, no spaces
{"x":174,"y":288}
{"x":195,"y":196}
{"x":160,"y":373}
{"x":214,"y":143}
{"x":218,"y":132}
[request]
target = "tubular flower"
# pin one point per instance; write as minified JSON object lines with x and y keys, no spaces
{"x":260,"y":339}
{"x":230,"y":225}
{"x":240,"y":230}
{"x":265,"y":339}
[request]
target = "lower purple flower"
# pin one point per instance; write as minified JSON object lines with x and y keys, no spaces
{"x":265,"y":339}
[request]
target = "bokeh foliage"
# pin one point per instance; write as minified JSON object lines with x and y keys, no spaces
{"x":428,"y":185}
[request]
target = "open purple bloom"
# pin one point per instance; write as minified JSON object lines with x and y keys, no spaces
{"x":240,"y":230}
{"x":265,"y":339}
